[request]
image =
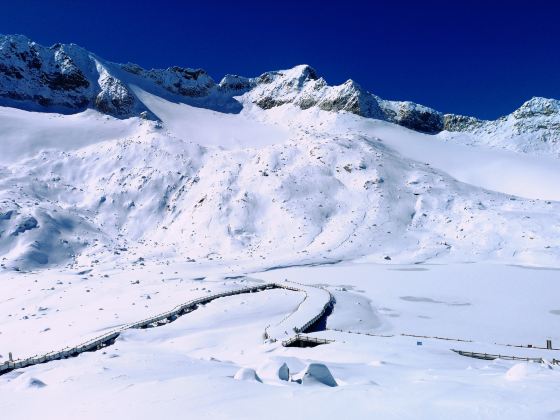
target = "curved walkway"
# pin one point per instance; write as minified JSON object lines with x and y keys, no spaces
{"x":314,"y":306}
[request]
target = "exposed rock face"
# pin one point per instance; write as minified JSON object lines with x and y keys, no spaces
{"x":235,"y":83}
{"x":414,"y":116}
{"x":452,"y":122}
{"x":302,"y":87}
{"x":114,"y":98}
{"x":299,"y":85}
{"x":537,"y":114}
{"x":539,"y":117}
{"x":69,"y":79}
{"x":538,"y":107}
{"x":177,"y":80}
{"x":26,"y":224}
{"x":47,"y":77}
{"x":540,"y":114}
{"x":352,"y":98}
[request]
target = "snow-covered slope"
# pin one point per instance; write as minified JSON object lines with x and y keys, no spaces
{"x":278,"y":169}
{"x":534,"y":129}
{"x":322,"y":187}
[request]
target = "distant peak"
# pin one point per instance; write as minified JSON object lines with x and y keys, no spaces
{"x":16,"y":41}
{"x":306,"y":71}
{"x":302,"y":73}
{"x":352,"y":84}
{"x":15,"y":38}
{"x":538,"y":106}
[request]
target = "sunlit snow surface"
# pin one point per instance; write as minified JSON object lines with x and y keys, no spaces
{"x":24,"y":134}
{"x":211,"y":128}
{"x":498,"y":170}
{"x":189,"y":365}
{"x":120,"y":206}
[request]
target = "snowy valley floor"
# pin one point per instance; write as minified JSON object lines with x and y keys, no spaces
{"x":188,"y":367}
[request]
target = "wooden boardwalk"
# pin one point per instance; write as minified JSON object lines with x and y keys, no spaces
{"x":317,"y":303}
{"x":293,"y":323}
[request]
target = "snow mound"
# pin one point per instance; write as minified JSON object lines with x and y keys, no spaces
{"x":275,"y":370}
{"x":521,"y":371}
{"x":316,"y":373}
{"x":247,"y":374}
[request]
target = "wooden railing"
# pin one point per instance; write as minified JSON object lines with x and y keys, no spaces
{"x":489,"y":356}
{"x":484,"y":356}
{"x":305,"y":338}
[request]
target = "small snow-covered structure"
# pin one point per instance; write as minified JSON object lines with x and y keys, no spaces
{"x":247,"y":374}
{"x":316,"y":373}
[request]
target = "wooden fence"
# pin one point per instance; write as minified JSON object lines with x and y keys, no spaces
{"x":488,"y":356}
{"x":484,"y":356}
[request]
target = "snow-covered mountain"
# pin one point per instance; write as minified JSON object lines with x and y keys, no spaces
{"x":534,"y":128}
{"x":66,"y":78}
{"x":127,"y":164}
{"x":149,"y":220}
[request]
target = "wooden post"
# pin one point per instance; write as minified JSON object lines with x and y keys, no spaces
{"x":549,"y":344}
{"x":10,"y":358}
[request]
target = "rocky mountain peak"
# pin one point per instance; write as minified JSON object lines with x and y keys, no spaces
{"x":67,"y":78}
{"x":538,"y":106}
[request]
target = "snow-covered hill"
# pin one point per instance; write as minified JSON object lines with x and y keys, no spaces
{"x":278,"y":169}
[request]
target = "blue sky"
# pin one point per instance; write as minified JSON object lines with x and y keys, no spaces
{"x":475,"y":58}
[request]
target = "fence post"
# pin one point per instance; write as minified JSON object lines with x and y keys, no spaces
{"x":549,"y":344}
{"x":10,"y":357}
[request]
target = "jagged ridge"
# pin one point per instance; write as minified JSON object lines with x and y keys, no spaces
{"x":67,"y":78}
